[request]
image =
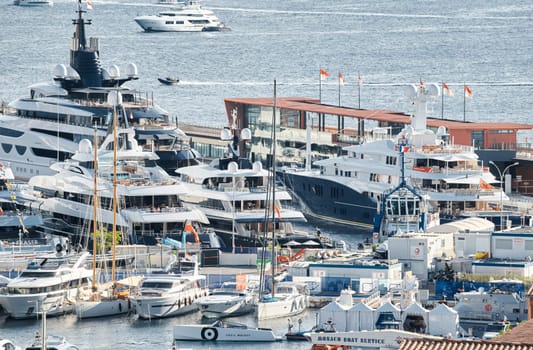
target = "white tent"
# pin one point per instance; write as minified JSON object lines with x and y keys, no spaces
{"x":389,"y":307}
{"x":412,"y":314}
{"x":443,"y":321}
{"x":361,"y":317}
{"x":335,"y":312}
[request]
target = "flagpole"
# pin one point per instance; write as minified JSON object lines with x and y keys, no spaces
{"x":339,"y":89}
{"x":464,"y":101}
{"x":319,"y":86}
{"x":442,"y":104}
{"x":359,"y":89}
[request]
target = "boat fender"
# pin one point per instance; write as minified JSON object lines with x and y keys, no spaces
{"x":209,"y":334}
{"x":179,"y":303}
{"x":488,"y":307}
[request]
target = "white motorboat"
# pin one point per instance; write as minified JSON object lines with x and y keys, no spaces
{"x":222,"y":330}
{"x":348,"y":188}
{"x":52,"y":342}
{"x":51,"y":282}
{"x":191,"y":17}
{"x":77,"y":100}
{"x":289,"y":299}
{"x":167,"y":295}
{"x":227,"y":301}
{"x":33,"y":3}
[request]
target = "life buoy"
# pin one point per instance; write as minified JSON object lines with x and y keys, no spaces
{"x":488,"y":307}
{"x":209,"y":334}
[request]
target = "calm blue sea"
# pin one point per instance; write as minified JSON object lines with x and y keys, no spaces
{"x":485,"y":44}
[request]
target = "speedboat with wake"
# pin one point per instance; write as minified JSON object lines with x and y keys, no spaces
{"x":48,"y":125}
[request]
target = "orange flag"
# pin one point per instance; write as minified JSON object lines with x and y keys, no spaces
{"x":468,"y":91}
{"x":323,"y":74}
{"x":446,"y":89}
{"x":341,"y":79}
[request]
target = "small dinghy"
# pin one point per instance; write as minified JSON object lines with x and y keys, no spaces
{"x":168,"y":81}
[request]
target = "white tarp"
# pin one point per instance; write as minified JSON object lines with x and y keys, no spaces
{"x":443,"y":321}
{"x":361,"y":317}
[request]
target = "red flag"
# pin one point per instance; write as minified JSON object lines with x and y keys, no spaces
{"x":323,"y":74}
{"x":468,"y":91}
{"x":422,"y":84}
{"x":341,"y":79}
{"x":360,"y":79}
{"x":89,"y":5}
{"x":446,"y":89}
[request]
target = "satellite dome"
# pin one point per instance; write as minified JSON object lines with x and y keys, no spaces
{"x":131,"y":70}
{"x":441,"y":131}
{"x":433,"y":90}
{"x":410,"y":91}
{"x":114,"y":71}
{"x":257,"y":166}
{"x":85,"y":147}
{"x":60,"y":71}
{"x":233,"y":167}
{"x":225,"y":134}
{"x":72,"y":73}
{"x":246,"y":134}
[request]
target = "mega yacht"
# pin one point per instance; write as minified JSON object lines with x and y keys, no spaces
{"x":47,"y":126}
{"x":234,"y":194}
{"x":50,"y":282}
{"x":148,"y":199}
{"x":190,"y":17}
{"x":347,"y":189}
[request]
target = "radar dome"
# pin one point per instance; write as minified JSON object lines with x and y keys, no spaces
{"x":233,"y":167}
{"x":441,"y":131}
{"x":114,"y":98}
{"x":257,"y":166}
{"x":72,"y":73}
{"x":60,"y":71}
{"x":433,"y":90}
{"x":114,"y":71}
{"x":246,"y":134}
{"x":410,"y":91}
{"x":131,"y":70}
{"x":85,"y":146}
{"x":225,"y":134}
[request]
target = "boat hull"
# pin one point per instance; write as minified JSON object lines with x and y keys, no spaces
{"x":208,"y":333}
{"x":30,"y":306}
{"x":329,"y":200}
{"x":102,"y":308}
{"x":218,"y":307}
{"x":168,"y":306}
{"x":281,"y":307}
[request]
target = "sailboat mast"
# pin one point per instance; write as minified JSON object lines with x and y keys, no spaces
{"x":114,"y":239}
{"x":273,"y":189}
{"x":95,"y":206}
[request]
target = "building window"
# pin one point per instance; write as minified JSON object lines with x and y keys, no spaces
{"x":504,"y":244}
